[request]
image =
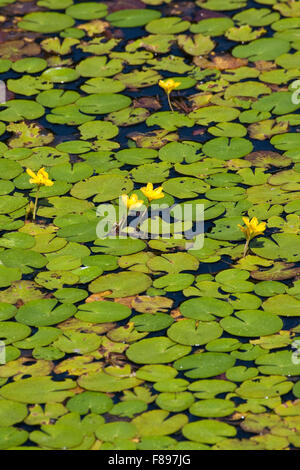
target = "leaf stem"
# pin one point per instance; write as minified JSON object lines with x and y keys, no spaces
{"x":170,"y":104}
{"x":246,"y":247}
{"x":36,"y":201}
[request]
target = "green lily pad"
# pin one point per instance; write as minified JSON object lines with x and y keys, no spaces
{"x":175,"y":402}
{"x":197,"y":45}
{"x":212,"y":408}
{"x":206,"y":115}
{"x":10,"y":437}
{"x":44,"y":336}
{"x":57,"y":97}
{"x":88,"y":11}
{"x":202,"y":365}
{"x":103,"y":103}
{"x":212,"y":26}
{"x":9,"y":275}
{"x":46,"y":22}
{"x":12,"y":412}
{"x":252,"y":323}
{"x":192,"y":332}
{"x":174,"y":282}
{"x":28,"y":85}
{"x":99,"y":67}
{"x":169,"y":120}
{"x":121,"y":284}
{"x":256,"y":17}
{"x":44,"y":313}
{"x":103,"y":382}
{"x":226,"y":149}
{"x":168,"y":25}
{"x":205,"y":308}
{"x":117,"y":430}
{"x":38,"y":390}
{"x":262,"y":49}
{"x":281,"y":246}
{"x":156,"y":372}
{"x":152,"y":322}
{"x":12,"y":332}
{"x":60,"y":435}
{"x":75,"y":342}
{"x":279,"y":363}
{"x":156,"y":350}
{"x":132,"y":18}
{"x":208,"y":431}
{"x":18,"y":110}
{"x":95,"y":402}
{"x":23,"y":259}
{"x":157,"y":423}
{"x":282,"y":304}
{"x":102,"y":312}
{"x":185,"y":187}
{"x":105,"y":187}
{"x":60,"y":75}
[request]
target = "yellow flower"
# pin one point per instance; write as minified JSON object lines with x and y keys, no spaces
{"x":41,"y":178}
{"x":168,"y":85}
{"x":132,"y":201}
{"x":253,"y":228}
{"x":151,"y":193}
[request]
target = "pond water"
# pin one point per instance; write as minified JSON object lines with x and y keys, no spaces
{"x":150,"y":341}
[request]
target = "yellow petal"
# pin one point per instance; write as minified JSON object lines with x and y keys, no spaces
{"x":31,"y":173}
{"x":254,"y":222}
{"x":42,"y":172}
{"x":261,"y":227}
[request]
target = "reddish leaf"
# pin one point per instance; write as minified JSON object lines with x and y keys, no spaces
{"x":117,"y":5}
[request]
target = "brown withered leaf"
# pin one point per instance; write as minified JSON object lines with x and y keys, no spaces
{"x":275,"y":87}
{"x":237,"y":164}
{"x":263,"y":65}
{"x":199,"y":131}
{"x":176,"y":314}
{"x":186,"y":10}
{"x":75,"y":324}
{"x":205,"y":14}
{"x":115,"y":34}
{"x":21,"y":8}
{"x":94,"y":27}
{"x":98,"y":296}
{"x":153,"y":139}
{"x":125,"y":300}
{"x":181,"y":103}
{"x":148,"y":304}
{"x":266,"y":129}
{"x":116,"y":5}
{"x":199,"y":100}
{"x":220,"y":62}
{"x":278,"y":272}
{"x":148,"y":102}
{"x":10,"y":33}
{"x":267,"y":158}
{"x":15,"y":50}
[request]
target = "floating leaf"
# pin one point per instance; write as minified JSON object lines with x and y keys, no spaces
{"x":156,"y":350}
{"x":208,"y":431}
{"x":46,"y":22}
{"x":132,"y":18}
{"x":38,"y":390}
